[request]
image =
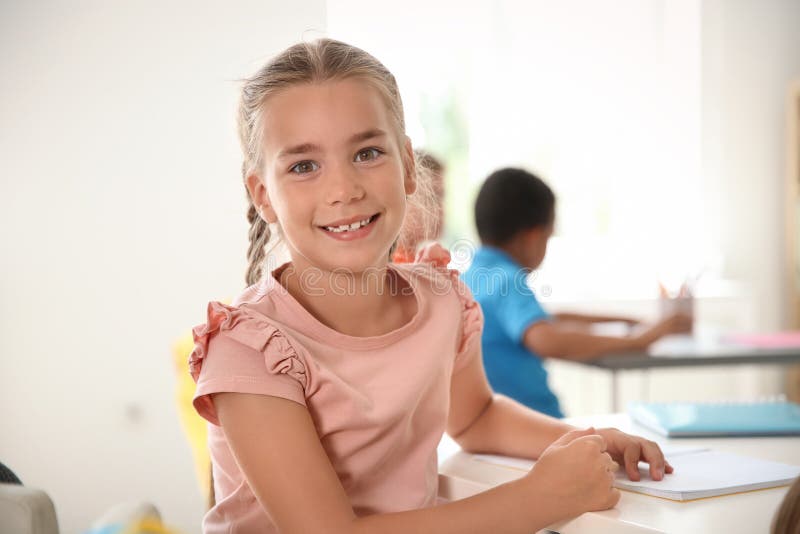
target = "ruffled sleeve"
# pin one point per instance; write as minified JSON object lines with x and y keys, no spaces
{"x":469,"y":341}
{"x":238,"y":350}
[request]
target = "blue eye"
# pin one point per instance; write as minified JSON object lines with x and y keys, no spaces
{"x":367,"y":154}
{"x":304,"y":167}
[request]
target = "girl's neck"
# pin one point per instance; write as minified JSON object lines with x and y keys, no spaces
{"x":371,"y":303}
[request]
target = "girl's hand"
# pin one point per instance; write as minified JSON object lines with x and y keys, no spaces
{"x":630,"y":450}
{"x":577,"y":473}
{"x":433,"y":253}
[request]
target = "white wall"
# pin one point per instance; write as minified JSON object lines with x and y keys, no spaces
{"x":122,"y":215}
{"x":751,"y":54}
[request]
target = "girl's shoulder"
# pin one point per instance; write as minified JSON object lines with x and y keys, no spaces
{"x":239,"y":350}
{"x":445,"y":288}
{"x":255,"y":293}
{"x":244,"y":325}
{"x":437,"y":282}
{"x":426,"y":274}
{"x":254,"y":320}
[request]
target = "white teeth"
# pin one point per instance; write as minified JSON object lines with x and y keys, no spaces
{"x":348,"y":227}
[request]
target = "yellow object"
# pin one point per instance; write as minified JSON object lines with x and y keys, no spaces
{"x":193,"y":425}
{"x":151,"y":525}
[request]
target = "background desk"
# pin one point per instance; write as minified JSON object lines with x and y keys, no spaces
{"x":461,"y":476}
{"x":682,"y":351}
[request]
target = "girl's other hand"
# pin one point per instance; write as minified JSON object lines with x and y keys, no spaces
{"x":435,"y":254}
{"x":630,"y":450}
{"x":577,"y":474}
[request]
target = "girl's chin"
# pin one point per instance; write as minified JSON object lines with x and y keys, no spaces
{"x":355,"y":264}
{"x":353,"y":261}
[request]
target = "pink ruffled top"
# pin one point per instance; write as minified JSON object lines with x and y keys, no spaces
{"x":379,"y":403}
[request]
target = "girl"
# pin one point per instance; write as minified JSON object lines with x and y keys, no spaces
{"x":330,"y":380}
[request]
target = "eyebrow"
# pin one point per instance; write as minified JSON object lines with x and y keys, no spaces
{"x":298,"y":149}
{"x":369,"y":134}
{"x":305,"y":148}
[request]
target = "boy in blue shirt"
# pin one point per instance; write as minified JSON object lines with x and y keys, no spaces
{"x":514,"y":215}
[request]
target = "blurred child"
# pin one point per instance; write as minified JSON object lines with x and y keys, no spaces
{"x":423,"y":222}
{"x":514,"y":215}
{"x":329,"y":381}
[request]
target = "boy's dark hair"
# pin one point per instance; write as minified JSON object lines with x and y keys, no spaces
{"x":509,"y":201}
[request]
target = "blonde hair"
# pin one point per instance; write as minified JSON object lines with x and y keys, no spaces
{"x":787,"y":518}
{"x":313,"y":62}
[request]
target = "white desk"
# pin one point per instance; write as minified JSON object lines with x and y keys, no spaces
{"x":461,"y":476}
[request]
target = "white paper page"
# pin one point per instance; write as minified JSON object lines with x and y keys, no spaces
{"x":711,"y":471}
{"x":697,"y":470}
{"x":522,"y":464}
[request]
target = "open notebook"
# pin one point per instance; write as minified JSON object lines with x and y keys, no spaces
{"x":699,"y":473}
{"x":760,"y":418}
{"x":708,"y":473}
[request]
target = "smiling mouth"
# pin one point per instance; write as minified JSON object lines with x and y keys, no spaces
{"x":350,"y":227}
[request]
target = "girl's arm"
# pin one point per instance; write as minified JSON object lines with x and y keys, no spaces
{"x":277,"y":448}
{"x":482,"y":422}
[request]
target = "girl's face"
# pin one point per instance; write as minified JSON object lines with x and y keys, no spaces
{"x":334,"y":176}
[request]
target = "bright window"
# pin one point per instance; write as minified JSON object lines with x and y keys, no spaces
{"x":601,"y":99}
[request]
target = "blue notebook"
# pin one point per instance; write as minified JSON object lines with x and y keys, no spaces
{"x":675,"y":419}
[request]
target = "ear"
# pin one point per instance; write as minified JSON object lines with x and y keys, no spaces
{"x":409,"y":168}
{"x":535,"y":235}
{"x":260,"y":196}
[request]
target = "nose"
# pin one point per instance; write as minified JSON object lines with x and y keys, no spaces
{"x":342,"y":186}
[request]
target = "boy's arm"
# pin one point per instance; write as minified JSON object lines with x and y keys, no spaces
{"x":590,"y":319}
{"x":547,"y":339}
